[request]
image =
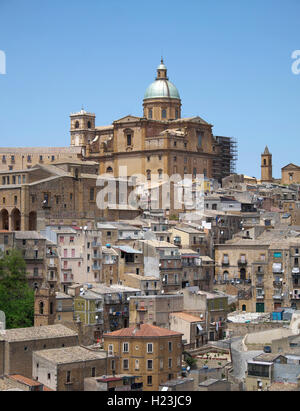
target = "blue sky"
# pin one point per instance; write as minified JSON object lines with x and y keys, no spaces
{"x":230,"y":59}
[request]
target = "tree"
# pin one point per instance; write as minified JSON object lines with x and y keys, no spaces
{"x":16,"y":297}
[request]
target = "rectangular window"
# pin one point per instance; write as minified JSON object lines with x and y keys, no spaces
{"x":92,"y":194}
{"x":149,"y":380}
{"x":170,"y":346}
{"x":125,"y":364}
{"x":125,"y":347}
{"x":149,"y":348}
{"x":68,"y":376}
{"x":129,"y":139}
{"x":110,"y":349}
{"x":149,"y":364}
{"x":200,"y":136}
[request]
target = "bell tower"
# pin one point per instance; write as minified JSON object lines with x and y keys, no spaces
{"x":44,"y":306}
{"x":82,"y":128}
{"x":266,"y":166}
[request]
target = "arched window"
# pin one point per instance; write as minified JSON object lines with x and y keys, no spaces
{"x":148,"y":174}
{"x":77,"y":124}
{"x":164,"y":113}
{"x":109,"y":170}
{"x":160,"y":174}
{"x":265,"y":162}
{"x":89,"y":124}
{"x":150,"y":113}
{"x":41,"y":307}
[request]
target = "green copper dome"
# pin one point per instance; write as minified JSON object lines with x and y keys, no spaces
{"x":161,"y":87}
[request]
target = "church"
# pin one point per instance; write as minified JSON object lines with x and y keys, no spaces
{"x":58,"y":185}
{"x":160,"y":142}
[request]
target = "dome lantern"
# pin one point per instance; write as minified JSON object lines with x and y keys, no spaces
{"x":162,"y":100}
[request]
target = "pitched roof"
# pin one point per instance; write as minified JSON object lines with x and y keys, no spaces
{"x":187,"y":317}
{"x":145,"y":330}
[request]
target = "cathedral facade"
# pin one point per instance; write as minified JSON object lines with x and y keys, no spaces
{"x":159,"y":143}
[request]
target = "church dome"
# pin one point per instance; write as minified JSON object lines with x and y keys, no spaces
{"x":161,"y":87}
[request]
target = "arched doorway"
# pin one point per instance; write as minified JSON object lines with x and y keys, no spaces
{"x":243,"y":274}
{"x":4,"y":220}
{"x":225,"y":276}
{"x":244,"y":308}
{"x":32,"y":221}
{"x":16,"y":220}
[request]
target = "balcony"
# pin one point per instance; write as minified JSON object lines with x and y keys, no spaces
{"x":260,"y":297}
{"x":51,"y":277}
{"x":242,"y":263}
{"x":95,"y":244}
{"x":96,"y":267}
{"x":97,"y":256}
{"x":225,"y":263}
{"x":170,"y":257}
{"x":277,"y":284}
{"x":277,"y":297}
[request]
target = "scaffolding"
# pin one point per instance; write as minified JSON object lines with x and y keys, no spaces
{"x":225,"y":164}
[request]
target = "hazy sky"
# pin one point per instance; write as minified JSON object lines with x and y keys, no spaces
{"x":230,"y":60}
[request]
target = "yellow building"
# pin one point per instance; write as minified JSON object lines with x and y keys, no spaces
{"x":290,"y":174}
{"x":159,"y":143}
{"x":151,"y":353}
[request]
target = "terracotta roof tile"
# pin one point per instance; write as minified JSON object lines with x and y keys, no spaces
{"x":24,"y":380}
{"x":187,"y":317}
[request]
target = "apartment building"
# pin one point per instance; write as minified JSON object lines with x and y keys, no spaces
{"x":151,"y":353}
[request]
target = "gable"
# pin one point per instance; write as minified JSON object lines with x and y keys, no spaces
{"x":128,"y":119}
{"x":290,"y":166}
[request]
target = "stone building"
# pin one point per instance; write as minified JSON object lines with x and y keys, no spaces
{"x":290,"y":174}
{"x":44,"y":306}
{"x":160,"y":142}
{"x":18,"y":158}
{"x":65,"y":369}
{"x":269,"y":262}
{"x":163,"y":261}
{"x":17,"y":346}
{"x":193,"y":329}
{"x":154,"y":309}
{"x":151,"y":353}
